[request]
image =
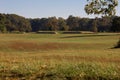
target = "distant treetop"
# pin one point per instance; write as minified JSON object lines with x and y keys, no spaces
{"x":104,"y":7}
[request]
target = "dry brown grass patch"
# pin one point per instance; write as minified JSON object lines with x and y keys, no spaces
{"x":21,"y":45}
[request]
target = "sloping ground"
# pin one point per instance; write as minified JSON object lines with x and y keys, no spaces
{"x":59,"y":57}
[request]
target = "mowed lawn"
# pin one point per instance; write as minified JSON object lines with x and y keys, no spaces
{"x":34,"y":56}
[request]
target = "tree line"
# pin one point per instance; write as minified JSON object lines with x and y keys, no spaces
{"x":13,"y":22}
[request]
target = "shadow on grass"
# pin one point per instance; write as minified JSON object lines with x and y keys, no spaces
{"x":116,"y":47}
{"x":94,"y":35}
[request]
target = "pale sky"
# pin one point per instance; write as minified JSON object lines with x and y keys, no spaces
{"x":46,"y":8}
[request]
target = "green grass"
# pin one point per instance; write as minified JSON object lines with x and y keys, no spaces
{"x":59,"y":56}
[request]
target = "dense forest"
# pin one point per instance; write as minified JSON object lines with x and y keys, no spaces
{"x":13,"y":22}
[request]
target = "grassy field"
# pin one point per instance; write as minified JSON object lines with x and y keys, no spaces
{"x":59,"y":56}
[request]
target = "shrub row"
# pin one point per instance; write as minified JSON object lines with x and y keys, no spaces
{"x":47,"y":32}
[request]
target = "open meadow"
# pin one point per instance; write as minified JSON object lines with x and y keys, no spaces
{"x":59,"y":56}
